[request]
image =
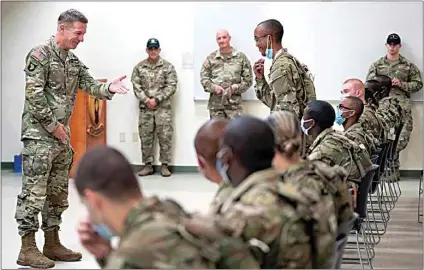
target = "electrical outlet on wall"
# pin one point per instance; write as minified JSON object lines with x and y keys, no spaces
{"x":122,"y":137}
{"x":135,"y":137}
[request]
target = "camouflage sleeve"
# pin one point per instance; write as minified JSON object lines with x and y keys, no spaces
{"x":283,"y":82}
{"x":372,"y":71}
{"x":206,"y":77}
{"x":137,"y":88}
{"x":263,"y":92}
{"x":36,"y":77}
{"x":415,"y":82}
{"x":171,"y":81}
{"x":92,"y":86}
{"x":246,"y":76}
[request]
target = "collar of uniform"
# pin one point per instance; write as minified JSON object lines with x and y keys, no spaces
{"x":294,"y":168}
{"x":153,"y":65}
{"x":321,"y":136}
{"x":280,"y":52}
{"x":63,"y":54}
{"x":353,"y":127}
{"x":219,"y":55}
{"x":401,"y":59}
{"x":134,"y":215}
{"x":251,"y":180}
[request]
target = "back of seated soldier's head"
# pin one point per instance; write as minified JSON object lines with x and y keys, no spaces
{"x":384,"y":80}
{"x":105,"y":181}
{"x":317,"y":116}
{"x":370,"y":98}
{"x":206,"y":144}
{"x":247,"y":146}
{"x":287,"y":132}
{"x":377,"y":88}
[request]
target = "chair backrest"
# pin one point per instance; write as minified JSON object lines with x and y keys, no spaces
{"x":374,"y":158}
{"x":364,"y":189}
{"x":392,"y":153}
{"x":344,"y":231}
{"x":381,"y":162}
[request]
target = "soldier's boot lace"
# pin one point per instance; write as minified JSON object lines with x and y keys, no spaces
{"x":54,"y":250}
{"x":164,"y":170}
{"x":31,"y":256}
{"x":147,"y":170}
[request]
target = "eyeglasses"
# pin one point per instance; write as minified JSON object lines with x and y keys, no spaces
{"x":340,"y":106}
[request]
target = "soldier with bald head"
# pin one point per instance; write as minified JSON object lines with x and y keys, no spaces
{"x":226,"y":74}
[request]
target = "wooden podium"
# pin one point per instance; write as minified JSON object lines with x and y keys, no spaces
{"x":87,"y":124}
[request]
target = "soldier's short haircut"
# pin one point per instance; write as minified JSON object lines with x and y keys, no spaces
{"x":384,"y":80}
{"x":275,"y":27}
{"x":358,"y":105}
{"x":207,"y":139}
{"x":72,"y":15}
{"x":322,"y":112}
{"x":374,"y":85}
{"x":105,"y":170}
{"x":252,"y":142}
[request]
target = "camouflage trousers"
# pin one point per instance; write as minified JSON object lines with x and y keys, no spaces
{"x":224,"y":113}
{"x":405,"y":134}
{"x":45,"y":180}
{"x":158,"y":121}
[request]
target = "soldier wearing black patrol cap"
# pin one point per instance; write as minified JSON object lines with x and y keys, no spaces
{"x":154,"y":83}
{"x":406,"y":79}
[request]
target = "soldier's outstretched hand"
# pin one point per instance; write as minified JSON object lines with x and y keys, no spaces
{"x":118,"y":86}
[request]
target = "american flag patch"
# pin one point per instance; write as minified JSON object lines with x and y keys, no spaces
{"x":39,"y":55}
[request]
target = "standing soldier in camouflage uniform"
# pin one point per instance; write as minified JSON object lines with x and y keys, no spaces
{"x":53,"y":75}
{"x":370,"y":123}
{"x":155,"y":82}
{"x":153,"y":233}
{"x":406,"y":79}
{"x":226,"y":74}
{"x":288,"y":87}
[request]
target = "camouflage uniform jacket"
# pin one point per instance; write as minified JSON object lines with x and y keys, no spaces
{"x":371,"y":123}
{"x":53,"y":77}
{"x":226,"y":71}
{"x":156,"y":235}
{"x":257,"y":213}
{"x":221,"y":195}
{"x":324,"y":179}
{"x":154,"y":80}
{"x":391,"y":114}
{"x":407,"y":72}
{"x":333,"y":148}
{"x":357,"y":134}
{"x":287,"y":86}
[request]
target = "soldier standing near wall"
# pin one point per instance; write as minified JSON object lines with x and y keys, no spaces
{"x":226,"y":74}
{"x":155,"y":82}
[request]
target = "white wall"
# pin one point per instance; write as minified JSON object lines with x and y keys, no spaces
{"x":114,"y":43}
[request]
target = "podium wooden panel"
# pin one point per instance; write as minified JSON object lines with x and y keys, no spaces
{"x":87,"y":125}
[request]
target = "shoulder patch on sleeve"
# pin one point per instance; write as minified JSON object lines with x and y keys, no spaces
{"x":39,"y":55}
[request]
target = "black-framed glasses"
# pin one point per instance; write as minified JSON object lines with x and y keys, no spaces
{"x":340,"y":106}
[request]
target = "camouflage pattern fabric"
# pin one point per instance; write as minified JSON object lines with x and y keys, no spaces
{"x":157,"y":235}
{"x":158,"y":81}
{"x":357,"y":134}
{"x":259,"y":213}
{"x":226,"y":70}
{"x":389,"y":113}
{"x":45,"y":170}
{"x":221,"y":195}
{"x":411,"y":82}
{"x":53,"y":77}
{"x":333,"y":148}
{"x":371,"y":123}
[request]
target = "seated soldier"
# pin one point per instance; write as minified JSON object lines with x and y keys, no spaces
{"x":153,"y":233}
{"x":368,"y":120}
{"x":310,"y":174}
{"x":259,"y":204}
{"x":348,"y":113}
{"x":332,"y":146}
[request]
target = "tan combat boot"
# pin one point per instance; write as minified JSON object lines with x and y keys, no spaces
{"x":31,"y":256}
{"x":147,"y":170}
{"x":164,"y":170}
{"x":54,"y":250}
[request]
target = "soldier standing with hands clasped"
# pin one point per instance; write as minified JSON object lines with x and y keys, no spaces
{"x":53,"y":75}
{"x":155,"y":82}
{"x":406,"y":79}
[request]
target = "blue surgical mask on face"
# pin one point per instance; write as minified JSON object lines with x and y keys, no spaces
{"x":103,"y":231}
{"x":302,"y":126}
{"x":339,"y":118}
{"x":269,"y":53}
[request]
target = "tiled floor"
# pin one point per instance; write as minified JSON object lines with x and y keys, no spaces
{"x":191,"y":190}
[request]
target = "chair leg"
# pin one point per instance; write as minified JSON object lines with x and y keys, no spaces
{"x":420,"y":193}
